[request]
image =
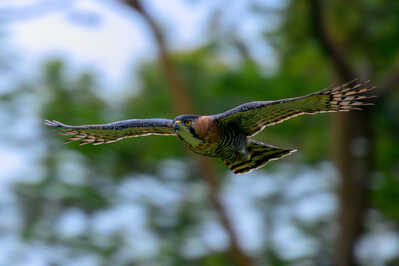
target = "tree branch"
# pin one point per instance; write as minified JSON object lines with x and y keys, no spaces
{"x":242,"y":49}
{"x":341,"y":66}
{"x":183,"y":104}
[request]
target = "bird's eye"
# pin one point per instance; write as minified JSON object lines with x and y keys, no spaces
{"x":187,"y":123}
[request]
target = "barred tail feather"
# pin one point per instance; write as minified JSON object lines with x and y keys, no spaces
{"x":259,"y":155}
{"x":349,"y":96}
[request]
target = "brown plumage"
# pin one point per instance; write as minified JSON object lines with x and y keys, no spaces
{"x":205,"y":127}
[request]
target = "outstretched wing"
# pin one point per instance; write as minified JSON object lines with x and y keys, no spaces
{"x":254,"y":116}
{"x":112,"y":132}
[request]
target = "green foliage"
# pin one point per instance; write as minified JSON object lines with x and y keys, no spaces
{"x":386,"y":197}
{"x":368,"y":28}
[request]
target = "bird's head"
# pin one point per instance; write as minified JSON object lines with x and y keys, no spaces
{"x":185,"y":128}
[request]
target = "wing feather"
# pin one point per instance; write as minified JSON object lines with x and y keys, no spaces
{"x":112,"y":132}
{"x":255,"y":116}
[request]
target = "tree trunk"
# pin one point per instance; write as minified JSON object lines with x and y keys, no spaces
{"x":353,"y":150}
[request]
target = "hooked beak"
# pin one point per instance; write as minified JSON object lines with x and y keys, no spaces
{"x":177,"y":125}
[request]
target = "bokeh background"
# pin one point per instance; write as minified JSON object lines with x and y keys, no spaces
{"x":148,"y":201}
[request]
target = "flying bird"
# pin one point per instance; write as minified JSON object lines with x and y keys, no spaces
{"x":228,"y":135}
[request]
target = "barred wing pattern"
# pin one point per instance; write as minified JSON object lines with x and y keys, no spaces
{"x":112,"y":132}
{"x":254,"y":116}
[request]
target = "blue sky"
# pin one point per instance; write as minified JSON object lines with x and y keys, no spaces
{"x":110,"y":45}
{"x":115,"y":39}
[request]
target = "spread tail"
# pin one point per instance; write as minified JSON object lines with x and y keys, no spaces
{"x":259,"y":155}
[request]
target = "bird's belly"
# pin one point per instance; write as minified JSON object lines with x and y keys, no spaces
{"x":205,"y":148}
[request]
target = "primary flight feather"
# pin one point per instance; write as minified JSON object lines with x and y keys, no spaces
{"x":227,"y":135}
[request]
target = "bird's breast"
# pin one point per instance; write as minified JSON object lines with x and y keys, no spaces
{"x":207,"y":148}
{"x":209,"y":134}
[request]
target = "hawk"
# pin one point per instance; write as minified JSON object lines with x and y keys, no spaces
{"x":227,"y":135}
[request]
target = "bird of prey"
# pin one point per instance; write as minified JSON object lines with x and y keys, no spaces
{"x":227,"y":135}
